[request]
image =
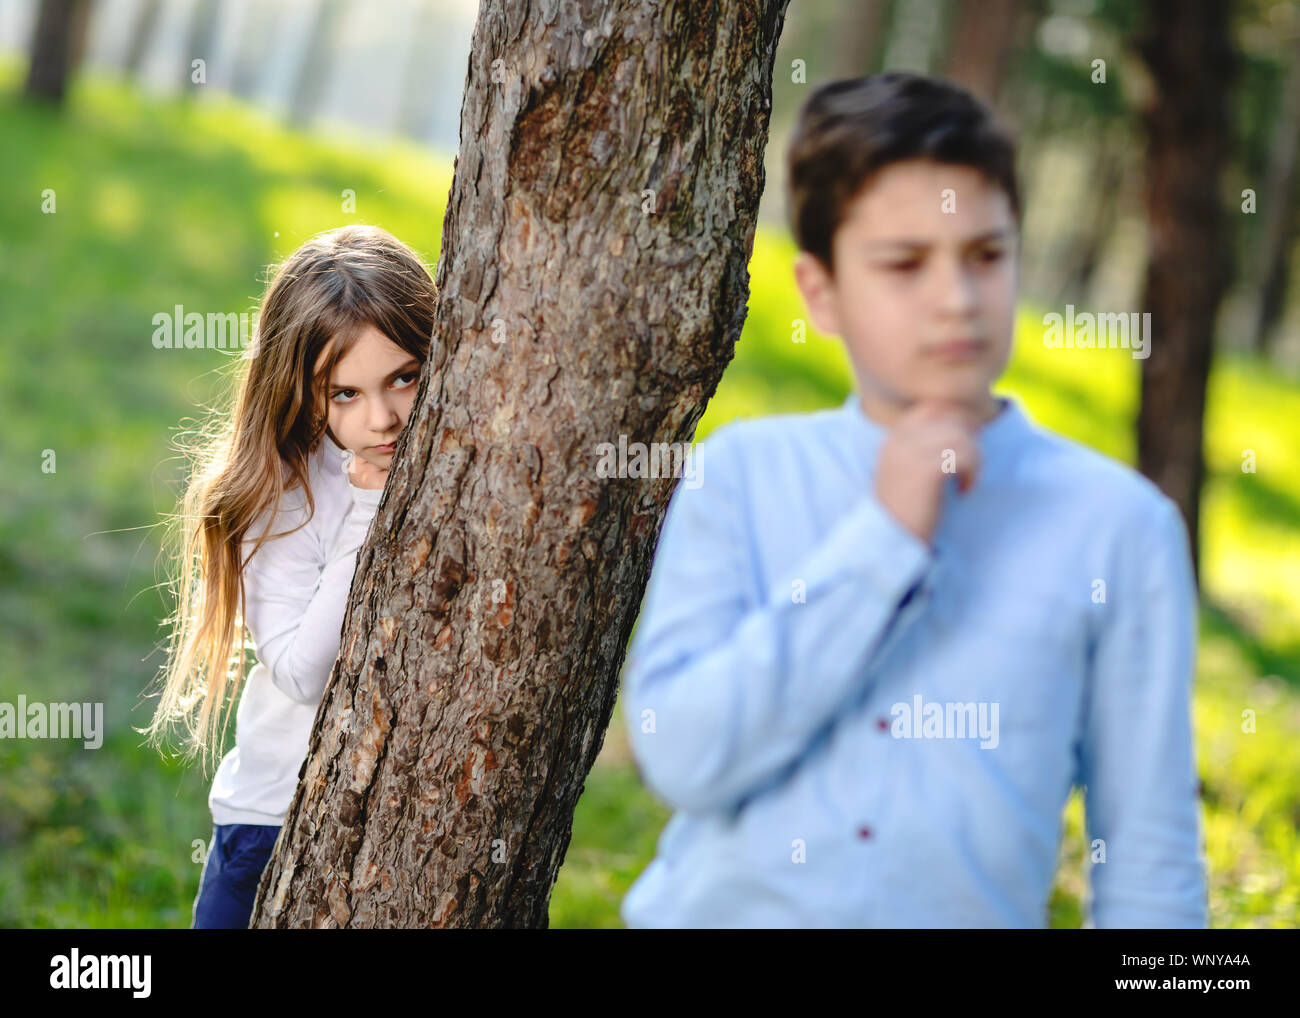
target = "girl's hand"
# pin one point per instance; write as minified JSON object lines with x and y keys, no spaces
{"x":364,"y":474}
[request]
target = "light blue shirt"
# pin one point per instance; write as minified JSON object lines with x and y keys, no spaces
{"x":857,"y":728}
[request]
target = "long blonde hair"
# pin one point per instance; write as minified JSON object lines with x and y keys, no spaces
{"x":247,"y":457}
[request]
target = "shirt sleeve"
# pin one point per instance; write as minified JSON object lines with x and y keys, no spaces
{"x":1136,"y":760}
{"x":296,"y":589}
{"x":723,"y":695}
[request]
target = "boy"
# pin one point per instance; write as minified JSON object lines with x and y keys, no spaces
{"x":882,"y":642}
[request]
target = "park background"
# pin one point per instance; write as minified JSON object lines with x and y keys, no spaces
{"x":176,"y":192}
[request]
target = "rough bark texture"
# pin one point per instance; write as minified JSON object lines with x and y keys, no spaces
{"x":493,"y":602}
{"x":1187,"y":48}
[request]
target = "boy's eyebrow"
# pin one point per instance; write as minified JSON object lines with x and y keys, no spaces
{"x":406,"y":366}
{"x":982,"y":238}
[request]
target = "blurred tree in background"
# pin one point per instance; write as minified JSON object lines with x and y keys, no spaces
{"x":1189,"y":54}
{"x":56,"y":47}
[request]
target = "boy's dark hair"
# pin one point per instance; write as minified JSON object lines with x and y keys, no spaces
{"x":847,"y":130}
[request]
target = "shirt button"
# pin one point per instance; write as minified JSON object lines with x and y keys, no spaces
{"x":864,"y":832}
{"x":882,"y":724}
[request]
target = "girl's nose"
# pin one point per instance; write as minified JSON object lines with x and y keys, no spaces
{"x":384,"y":417}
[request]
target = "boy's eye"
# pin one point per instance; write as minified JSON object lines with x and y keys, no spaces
{"x":902,"y":266}
{"x":991,"y":254}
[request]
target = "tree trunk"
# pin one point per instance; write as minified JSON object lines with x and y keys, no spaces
{"x":856,"y":37}
{"x":915,"y":35}
{"x":983,"y":36}
{"x":1096,"y":213}
{"x":252,"y":51}
{"x":56,"y":45}
{"x":415,"y":103}
{"x":315,"y":62}
{"x":593,"y":281}
{"x":146,"y":20}
{"x":199,"y":41}
{"x":1186,"y":47}
{"x":1270,"y":271}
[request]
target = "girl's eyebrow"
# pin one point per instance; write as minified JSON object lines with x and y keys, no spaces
{"x":406,"y":366}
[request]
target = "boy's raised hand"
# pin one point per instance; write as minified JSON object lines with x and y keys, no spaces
{"x":910,"y":474}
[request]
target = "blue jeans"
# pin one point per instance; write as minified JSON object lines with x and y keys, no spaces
{"x":231,"y":873}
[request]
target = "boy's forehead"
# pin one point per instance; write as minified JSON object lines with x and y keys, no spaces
{"x":907,"y":199}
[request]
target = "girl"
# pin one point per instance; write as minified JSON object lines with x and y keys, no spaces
{"x":280,"y":501}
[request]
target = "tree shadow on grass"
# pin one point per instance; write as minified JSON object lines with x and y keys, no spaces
{"x":1217,"y":620}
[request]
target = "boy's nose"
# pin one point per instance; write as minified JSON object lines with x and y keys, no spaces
{"x":955,"y":287}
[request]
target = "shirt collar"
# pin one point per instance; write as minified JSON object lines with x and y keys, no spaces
{"x":331,"y":451}
{"x":997,"y":440}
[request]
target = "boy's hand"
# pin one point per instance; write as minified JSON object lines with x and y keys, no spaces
{"x":909,"y":473}
{"x":365,"y":474}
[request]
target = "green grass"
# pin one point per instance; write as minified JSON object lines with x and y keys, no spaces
{"x":162,"y":203}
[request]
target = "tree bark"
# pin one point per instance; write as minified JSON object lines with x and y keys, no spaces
{"x":1188,"y":51}
{"x":593,"y":281}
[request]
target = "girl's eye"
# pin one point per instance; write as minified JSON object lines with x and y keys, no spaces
{"x":991,"y":254}
{"x":903,"y":266}
{"x":351,"y":393}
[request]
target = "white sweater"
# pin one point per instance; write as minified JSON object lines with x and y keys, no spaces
{"x":296,"y":588}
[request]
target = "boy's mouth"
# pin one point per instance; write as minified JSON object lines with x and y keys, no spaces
{"x":956,"y":349}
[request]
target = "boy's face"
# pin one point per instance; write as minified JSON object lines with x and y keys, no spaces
{"x":924,"y":288}
{"x":370,"y":394}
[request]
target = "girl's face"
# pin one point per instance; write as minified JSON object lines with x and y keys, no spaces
{"x":369,"y":396}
